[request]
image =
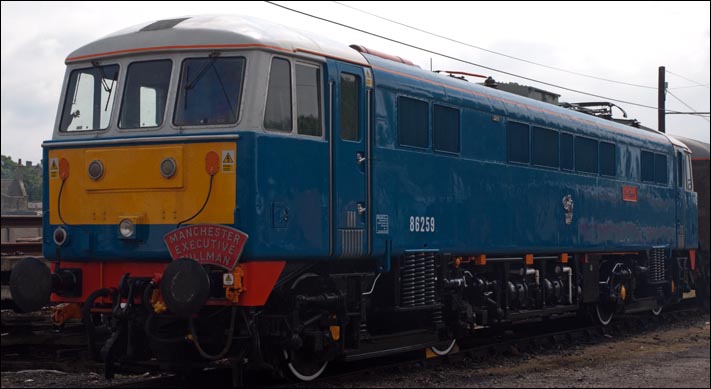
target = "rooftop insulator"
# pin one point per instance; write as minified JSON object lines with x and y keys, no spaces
{"x":491,"y":83}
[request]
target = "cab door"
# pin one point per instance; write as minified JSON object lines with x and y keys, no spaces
{"x":349,"y":159}
{"x":691,"y":202}
{"x":680,"y":189}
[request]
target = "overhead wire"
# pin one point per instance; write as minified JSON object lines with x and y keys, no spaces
{"x":668,"y":111}
{"x":690,"y":86}
{"x":462,"y":60}
{"x":692,"y":81}
{"x":694,"y":112}
{"x":494,"y":52}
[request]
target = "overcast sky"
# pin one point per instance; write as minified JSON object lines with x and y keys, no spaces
{"x":625,"y":42}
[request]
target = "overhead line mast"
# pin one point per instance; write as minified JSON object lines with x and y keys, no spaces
{"x":661,"y":114}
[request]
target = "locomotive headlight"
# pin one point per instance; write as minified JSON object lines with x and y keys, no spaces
{"x":60,"y":236}
{"x":96,"y":169}
{"x":127,"y":229}
{"x":168,"y":167}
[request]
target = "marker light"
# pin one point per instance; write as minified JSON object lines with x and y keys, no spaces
{"x":212,"y":163}
{"x":63,"y":169}
{"x":96,"y":169}
{"x":127,"y":229}
{"x":60,"y":236}
{"x":168,"y":167}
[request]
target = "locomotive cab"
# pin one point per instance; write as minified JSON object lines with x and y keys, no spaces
{"x":165,"y":163}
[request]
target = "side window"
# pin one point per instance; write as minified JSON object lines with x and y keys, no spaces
{"x":350,"y":107}
{"x":688,"y":174}
{"x":446,"y":129}
{"x":413,"y":122}
{"x":660,"y":169}
{"x":89,"y":99}
{"x":679,"y":169}
{"x":308,"y":100}
{"x":586,"y":155}
{"x":544,"y":147}
{"x":566,"y":152}
{"x":607,"y":159}
{"x":210,"y":91}
{"x":647,"y":160}
{"x":517,"y":142}
{"x":277,"y":115}
{"x":145,"y":94}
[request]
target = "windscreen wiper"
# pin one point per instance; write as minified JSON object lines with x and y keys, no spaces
{"x":104,"y":77}
{"x":224,"y":92}
{"x":190,"y":85}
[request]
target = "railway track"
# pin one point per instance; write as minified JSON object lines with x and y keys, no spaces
{"x":31,"y":340}
{"x":520,"y":339}
{"x":34,"y":344}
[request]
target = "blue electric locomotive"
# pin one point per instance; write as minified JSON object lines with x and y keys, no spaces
{"x":222,"y":187}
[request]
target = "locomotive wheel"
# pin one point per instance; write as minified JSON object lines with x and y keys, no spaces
{"x":302,"y":364}
{"x":604,"y":313}
{"x":444,"y":348}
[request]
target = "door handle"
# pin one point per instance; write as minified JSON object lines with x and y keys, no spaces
{"x":361,"y":208}
{"x":360,"y":158}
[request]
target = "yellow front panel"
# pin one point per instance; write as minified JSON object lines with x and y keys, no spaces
{"x":132,"y":185}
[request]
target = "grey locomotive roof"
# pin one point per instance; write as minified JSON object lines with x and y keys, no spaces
{"x":210,"y":33}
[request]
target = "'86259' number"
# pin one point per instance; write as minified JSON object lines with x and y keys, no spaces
{"x":422,"y":224}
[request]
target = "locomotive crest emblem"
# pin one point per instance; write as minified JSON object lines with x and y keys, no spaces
{"x":568,"y":208}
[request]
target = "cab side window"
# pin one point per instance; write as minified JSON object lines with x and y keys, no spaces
{"x":687,"y":173}
{"x":286,"y":98}
{"x":680,"y":169}
{"x":278,"y":116}
{"x":308,"y":100}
